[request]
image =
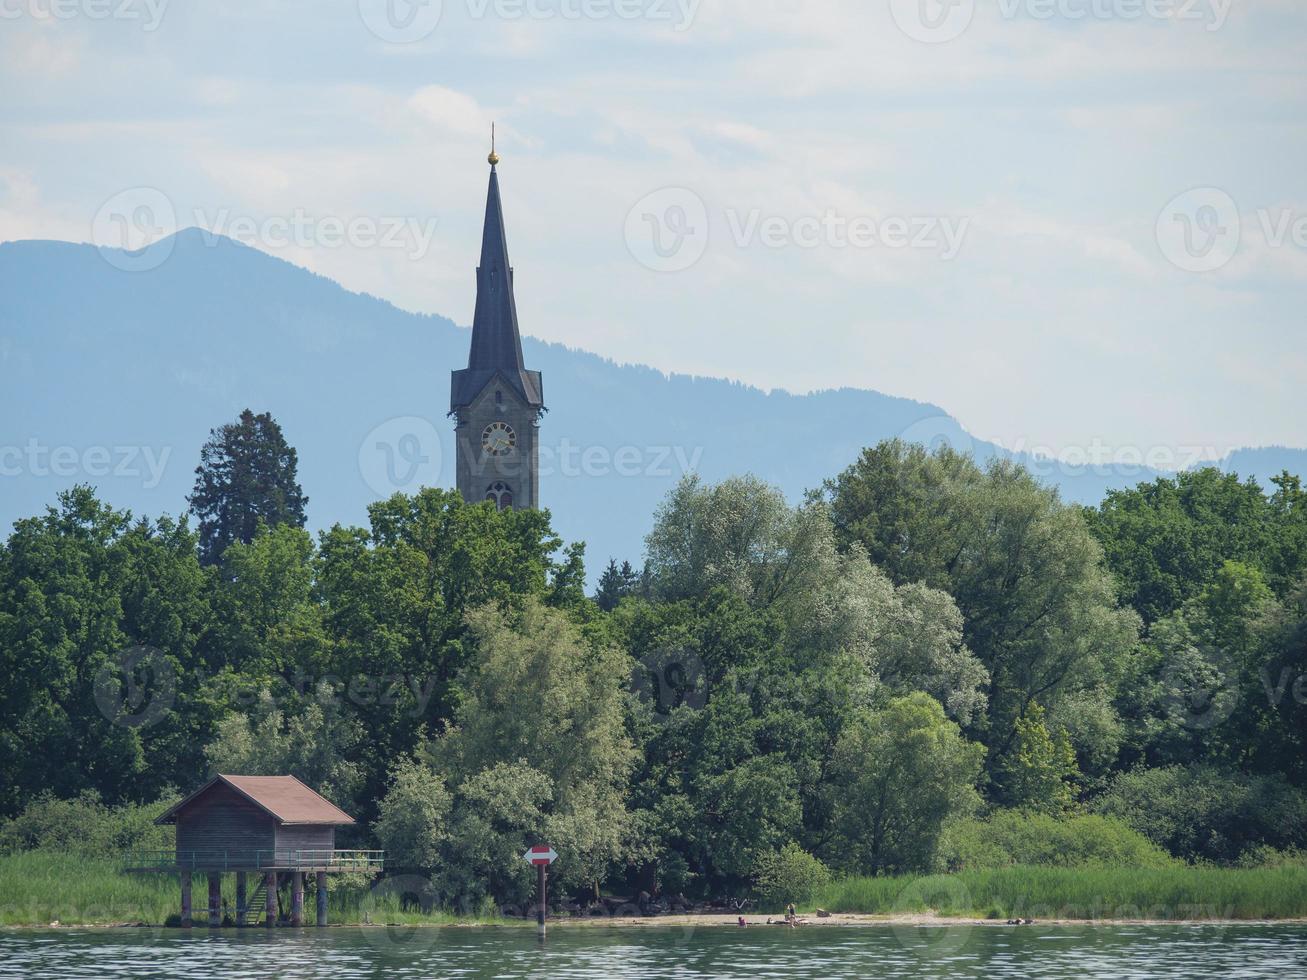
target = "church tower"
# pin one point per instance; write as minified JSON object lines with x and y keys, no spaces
{"x":496,"y":401}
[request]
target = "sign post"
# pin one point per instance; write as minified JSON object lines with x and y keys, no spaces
{"x":542,"y":856}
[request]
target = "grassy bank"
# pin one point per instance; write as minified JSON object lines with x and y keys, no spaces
{"x":1176,"y":893}
{"x":41,"y":887}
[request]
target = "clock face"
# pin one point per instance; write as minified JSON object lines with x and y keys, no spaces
{"x":499,"y":439}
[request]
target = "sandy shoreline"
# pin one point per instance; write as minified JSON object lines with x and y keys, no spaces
{"x":724,"y":921}
{"x":695,"y":920}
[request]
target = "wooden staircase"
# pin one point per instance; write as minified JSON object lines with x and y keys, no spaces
{"x":258,"y":903}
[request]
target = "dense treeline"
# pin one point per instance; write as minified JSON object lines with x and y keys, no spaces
{"x":924,"y":665}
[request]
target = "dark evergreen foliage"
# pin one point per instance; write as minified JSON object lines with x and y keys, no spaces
{"x":246,"y":477}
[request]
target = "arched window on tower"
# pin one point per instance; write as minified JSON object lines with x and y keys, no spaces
{"x":501,"y":494}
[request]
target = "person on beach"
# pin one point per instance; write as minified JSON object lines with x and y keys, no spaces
{"x":790,"y":916}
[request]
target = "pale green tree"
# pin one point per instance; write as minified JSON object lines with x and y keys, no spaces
{"x":743,"y":536}
{"x":542,"y":712}
{"x":1041,"y":770}
{"x":897,"y":776}
{"x":314,"y":743}
{"x":413,"y":823}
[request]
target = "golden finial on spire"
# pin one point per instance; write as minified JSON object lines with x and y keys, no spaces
{"x":494,"y":157}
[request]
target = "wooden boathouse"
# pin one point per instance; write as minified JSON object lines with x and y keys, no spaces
{"x":272,"y":827}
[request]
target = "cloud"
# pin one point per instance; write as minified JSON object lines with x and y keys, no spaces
{"x":450,"y":111}
{"x":1060,"y":142}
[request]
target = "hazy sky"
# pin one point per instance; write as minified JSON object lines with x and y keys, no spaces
{"x":1075,"y":224}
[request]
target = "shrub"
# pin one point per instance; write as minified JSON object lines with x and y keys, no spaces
{"x":789,"y":875}
{"x":1206,"y":813}
{"x":84,"y":825}
{"x":1014,"y":837}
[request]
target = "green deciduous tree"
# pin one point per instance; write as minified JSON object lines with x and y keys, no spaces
{"x":313,"y":741}
{"x":396,"y":598}
{"x":741,"y":536}
{"x":414,"y":816}
{"x":1038,"y":604}
{"x":540,"y":723}
{"x":80,"y":589}
{"x":269,"y":622}
{"x":1040,"y":771}
{"x":1167,"y":540}
{"x":1208,"y":812}
{"x":897,"y":776}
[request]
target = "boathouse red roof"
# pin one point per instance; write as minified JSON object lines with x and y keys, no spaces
{"x":284,"y":798}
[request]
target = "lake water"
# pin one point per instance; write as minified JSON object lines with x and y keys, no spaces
{"x":655,"y":952}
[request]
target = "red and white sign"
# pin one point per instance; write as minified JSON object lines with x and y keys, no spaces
{"x":540,"y":854}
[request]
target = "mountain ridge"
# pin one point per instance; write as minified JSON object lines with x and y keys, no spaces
{"x":98,"y":358}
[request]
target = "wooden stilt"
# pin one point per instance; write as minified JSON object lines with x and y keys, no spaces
{"x":297,"y":898}
{"x":271,"y":884}
{"x":186,"y":899}
{"x":322,"y":898}
{"x":242,"y":898}
{"x":215,"y":899}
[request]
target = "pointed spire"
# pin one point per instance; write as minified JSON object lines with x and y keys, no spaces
{"x":496,"y":342}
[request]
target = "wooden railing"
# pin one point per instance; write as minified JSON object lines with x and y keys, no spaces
{"x":248,"y":859}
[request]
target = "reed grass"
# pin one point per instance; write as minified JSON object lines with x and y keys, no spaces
{"x":40,"y":887}
{"x":1180,"y":893}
